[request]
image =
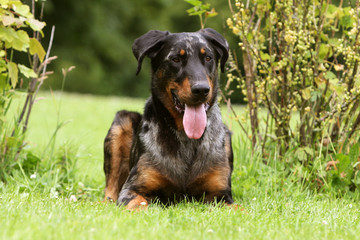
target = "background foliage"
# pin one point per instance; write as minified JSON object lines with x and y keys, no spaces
{"x":96,"y":37}
{"x":300,"y":61}
{"x":16,"y":20}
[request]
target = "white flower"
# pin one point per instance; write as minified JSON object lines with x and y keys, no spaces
{"x":325,"y":222}
{"x":72,"y":198}
{"x":350,"y":206}
{"x":143,"y":203}
{"x":54,"y":193}
{"x":24,"y":195}
{"x":33,"y":176}
{"x":254,"y":198}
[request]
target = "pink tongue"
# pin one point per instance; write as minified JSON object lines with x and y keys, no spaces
{"x":194,"y":121}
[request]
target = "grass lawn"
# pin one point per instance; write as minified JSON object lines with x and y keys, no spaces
{"x":270,"y":211}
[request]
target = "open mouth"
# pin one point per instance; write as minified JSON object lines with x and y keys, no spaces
{"x":180,"y":106}
{"x":194,"y":117}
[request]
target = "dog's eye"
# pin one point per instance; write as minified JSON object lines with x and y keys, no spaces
{"x":176,"y":59}
{"x":208,"y":58}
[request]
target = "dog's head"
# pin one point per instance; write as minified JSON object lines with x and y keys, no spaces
{"x":185,"y":74}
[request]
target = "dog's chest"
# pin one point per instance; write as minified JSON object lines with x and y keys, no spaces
{"x":182,"y":159}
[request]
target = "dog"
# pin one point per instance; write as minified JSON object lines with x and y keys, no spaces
{"x":179,"y":148}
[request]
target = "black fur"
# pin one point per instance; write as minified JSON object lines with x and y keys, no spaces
{"x":165,"y":164}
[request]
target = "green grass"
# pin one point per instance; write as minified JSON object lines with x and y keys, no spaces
{"x":275,"y":208}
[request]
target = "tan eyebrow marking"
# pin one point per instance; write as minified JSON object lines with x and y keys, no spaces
{"x":202,"y":50}
{"x":182,"y":52}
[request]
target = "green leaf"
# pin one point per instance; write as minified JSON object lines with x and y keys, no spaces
{"x":344,"y":161}
{"x":307,"y":54}
{"x":30,"y":162}
{"x":264,"y":56}
{"x":7,"y":34}
{"x":300,"y":154}
{"x":309,"y":151}
{"x":346,"y":22}
{"x":249,"y":36}
{"x":36,"y":25}
{"x":27,"y":72}
{"x":324,"y":37}
{"x":315,"y":95}
{"x":3,"y":85}
{"x":21,"y":42}
{"x":194,"y":2}
{"x":23,"y":10}
{"x":211,"y":13}
{"x":356,"y":180}
{"x":354,"y":153}
{"x":331,"y":11}
{"x":335,"y":42}
{"x":324,"y":51}
{"x":37,"y":48}
{"x":195,"y":12}
{"x":336,"y":87}
{"x":330,"y":75}
{"x":4,"y":2}
{"x":13,"y":73}
{"x":306,"y":93}
{"x":8,"y":20}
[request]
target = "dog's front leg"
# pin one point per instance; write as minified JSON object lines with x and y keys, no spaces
{"x":132,"y":200}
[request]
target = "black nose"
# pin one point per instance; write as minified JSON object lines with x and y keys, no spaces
{"x":200,"y":90}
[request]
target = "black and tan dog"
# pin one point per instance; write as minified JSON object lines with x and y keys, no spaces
{"x":179,"y":148}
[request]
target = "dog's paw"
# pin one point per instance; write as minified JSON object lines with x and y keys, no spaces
{"x":132,"y":200}
{"x":236,"y":207}
{"x":137,"y":204}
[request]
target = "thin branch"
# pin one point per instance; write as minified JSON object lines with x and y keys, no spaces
{"x":230,"y":7}
{"x":252,"y":17}
{"x":47,"y":57}
{"x":342,"y":108}
{"x":33,"y":97}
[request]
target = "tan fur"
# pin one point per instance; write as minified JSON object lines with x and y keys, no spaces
{"x":151,"y":179}
{"x":138,"y":203}
{"x":168,"y":102}
{"x":212,"y":182}
{"x":120,"y":145}
{"x":216,"y":180}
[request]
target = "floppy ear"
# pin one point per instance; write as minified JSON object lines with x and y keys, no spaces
{"x":148,"y":45}
{"x":220,"y":44}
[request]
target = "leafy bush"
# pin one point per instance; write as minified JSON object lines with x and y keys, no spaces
{"x":16,"y":18}
{"x":300,"y":61}
{"x":18,"y":161}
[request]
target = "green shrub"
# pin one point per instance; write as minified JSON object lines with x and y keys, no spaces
{"x":300,"y":61}
{"x":53,"y":170}
{"x":16,"y":18}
